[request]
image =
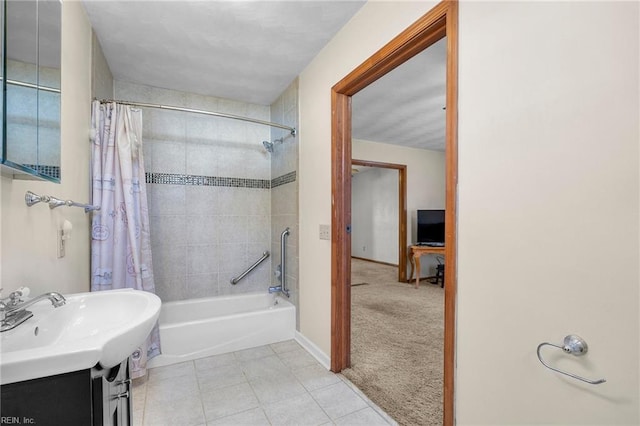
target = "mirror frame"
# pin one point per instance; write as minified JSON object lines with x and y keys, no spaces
{"x":9,"y":167}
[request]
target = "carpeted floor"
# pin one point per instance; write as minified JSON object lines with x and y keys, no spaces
{"x":397,"y":343}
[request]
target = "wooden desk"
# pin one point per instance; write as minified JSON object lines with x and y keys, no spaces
{"x":414,"y":256}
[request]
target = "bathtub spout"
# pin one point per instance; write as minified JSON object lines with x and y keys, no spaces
{"x":278,"y":289}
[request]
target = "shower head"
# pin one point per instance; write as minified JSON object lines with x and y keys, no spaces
{"x":268,"y":146}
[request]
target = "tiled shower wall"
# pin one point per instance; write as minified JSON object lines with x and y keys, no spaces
{"x":208,"y":181}
{"x":284,"y":191}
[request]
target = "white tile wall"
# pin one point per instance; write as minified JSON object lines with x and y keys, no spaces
{"x":284,"y":198}
{"x":167,"y":156}
{"x":202,"y":236}
{"x":204,"y":200}
{"x":201,"y":159}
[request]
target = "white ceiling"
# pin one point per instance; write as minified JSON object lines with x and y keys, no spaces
{"x":243,"y":50}
{"x":251,"y":51}
{"x":405,"y":107}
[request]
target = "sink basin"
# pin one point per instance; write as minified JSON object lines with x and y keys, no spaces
{"x":102,"y":327}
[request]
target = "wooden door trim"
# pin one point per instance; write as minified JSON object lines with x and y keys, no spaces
{"x":402,"y":210}
{"x":440,"y":21}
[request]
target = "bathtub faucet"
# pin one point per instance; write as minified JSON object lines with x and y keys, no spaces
{"x":278,"y":289}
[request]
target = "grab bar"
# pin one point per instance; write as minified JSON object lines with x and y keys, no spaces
{"x":235,"y":280}
{"x":283,"y":262}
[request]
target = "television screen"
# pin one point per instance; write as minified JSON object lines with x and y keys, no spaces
{"x":430,"y":226}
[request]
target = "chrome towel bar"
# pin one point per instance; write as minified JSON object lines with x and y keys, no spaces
{"x":573,"y":345}
{"x":30,"y":199}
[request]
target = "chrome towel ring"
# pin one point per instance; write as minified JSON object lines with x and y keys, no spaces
{"x":573,"y":345}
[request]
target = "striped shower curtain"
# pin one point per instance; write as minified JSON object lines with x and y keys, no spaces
{"x":120,"y":243}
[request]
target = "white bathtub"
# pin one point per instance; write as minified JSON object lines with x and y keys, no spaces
{"x":197,"y":328}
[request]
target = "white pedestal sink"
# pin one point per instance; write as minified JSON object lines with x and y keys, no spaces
{"x":91,"y":328}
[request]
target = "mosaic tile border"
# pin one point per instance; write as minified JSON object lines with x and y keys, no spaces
{"x":179,"y":179}
{"x":281,"y":180}
{"x":53,"y":171}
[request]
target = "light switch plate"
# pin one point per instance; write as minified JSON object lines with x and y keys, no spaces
{"x":325,"y":232}
{"x":61,"y":245}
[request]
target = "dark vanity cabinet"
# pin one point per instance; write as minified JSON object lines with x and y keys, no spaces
{"x":111,"y":396}
{"x":91,"y":397}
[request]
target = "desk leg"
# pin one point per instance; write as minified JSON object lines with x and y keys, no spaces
{"x":411,"y":261}
{"x":417,"y":262}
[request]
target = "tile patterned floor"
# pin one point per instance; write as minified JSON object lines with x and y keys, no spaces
{"x":279,"y":384}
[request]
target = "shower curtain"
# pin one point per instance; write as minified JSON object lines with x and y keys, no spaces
{"x":120,"y":243}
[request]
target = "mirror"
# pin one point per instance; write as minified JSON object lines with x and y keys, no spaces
{"x":31,"y":120}
{"x":2,"y":56}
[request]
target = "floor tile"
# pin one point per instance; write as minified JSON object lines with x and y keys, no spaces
{"x":176,"y":370}
{"x":220,"y":377}
{"x":171,"y":389}
{"x":297,"y":358}
{"x":253,"y":353}
{"x":338,"y":400}
{"x":366,"y":399}
{"x":137,"y":415}
{"x":227,"y":401}
{"x":366,"y":417}
{"x":315,"y":377}
{"x":261,"y":367}
{"x":286,"y":346}
{"x":255,"y":417}
{"x":215,"y":361}
{"x":299,"y":410}
{"x":278,"y":384}
{"x":139,"y":394}
{"x":183,"y":412}
{"x":276,"y":388}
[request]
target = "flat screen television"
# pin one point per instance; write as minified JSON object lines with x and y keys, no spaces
{"x":430,"y":226}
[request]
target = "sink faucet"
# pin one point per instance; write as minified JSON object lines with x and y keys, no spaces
{"x":13,"y":310}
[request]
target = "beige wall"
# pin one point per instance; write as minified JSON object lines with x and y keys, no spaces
{"x":374,"y":25}
{"x":548,"y":202}
{"x":374,"y":214}
{"x":548,"y":216}
{"x":29,"y":250}
{"x":425,"y":180}
{"x":101,"y":77}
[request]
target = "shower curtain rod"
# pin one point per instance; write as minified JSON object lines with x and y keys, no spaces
{"x":199,"y":111}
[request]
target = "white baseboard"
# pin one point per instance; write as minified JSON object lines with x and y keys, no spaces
{"x":314,"y":350}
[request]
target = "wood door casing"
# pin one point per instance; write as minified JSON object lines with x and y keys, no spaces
{"x":439,"y":22}
{"x":402,"y":210}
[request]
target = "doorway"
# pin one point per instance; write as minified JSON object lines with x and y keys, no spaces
{"x":441,"y":21}
{"x":402,"y":210}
